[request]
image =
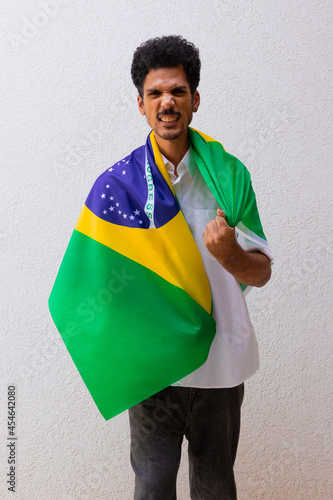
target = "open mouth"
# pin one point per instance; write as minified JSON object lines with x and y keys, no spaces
{"x":169,"y":118}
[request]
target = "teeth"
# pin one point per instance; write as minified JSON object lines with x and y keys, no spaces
{"x":172,"y":118}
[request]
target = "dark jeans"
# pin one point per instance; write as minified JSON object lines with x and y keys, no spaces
{"x":210,"y":420}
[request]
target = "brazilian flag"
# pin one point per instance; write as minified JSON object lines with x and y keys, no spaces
{"x":131,"y":299}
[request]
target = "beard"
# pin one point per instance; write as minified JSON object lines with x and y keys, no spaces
{"x":170,"y":135}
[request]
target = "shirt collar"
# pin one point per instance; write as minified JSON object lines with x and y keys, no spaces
{"x":187,"y":164}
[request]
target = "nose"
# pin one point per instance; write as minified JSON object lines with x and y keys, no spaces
{"x":167,"y":100}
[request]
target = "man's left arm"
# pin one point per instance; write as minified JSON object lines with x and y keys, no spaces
{"x":250,"y":268}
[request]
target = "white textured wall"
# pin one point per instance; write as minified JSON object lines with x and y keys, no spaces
{"x":69,"y":110}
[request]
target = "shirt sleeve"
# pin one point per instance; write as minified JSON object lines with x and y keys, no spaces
{"x":249,"y":231}
{"x":252,"y":242}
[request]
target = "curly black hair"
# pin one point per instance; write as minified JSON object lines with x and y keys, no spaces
{"x":166,"y":52}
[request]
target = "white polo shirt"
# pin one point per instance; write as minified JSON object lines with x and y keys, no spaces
{"x":233,"y":356}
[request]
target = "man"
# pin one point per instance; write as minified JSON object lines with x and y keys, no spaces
{"x":149,"y":296}
{"x":205,"y":405}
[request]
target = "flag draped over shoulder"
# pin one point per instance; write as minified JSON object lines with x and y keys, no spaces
{"x":230,"y":183}
{"x":131,"y":299}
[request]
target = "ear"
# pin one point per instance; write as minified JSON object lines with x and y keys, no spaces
{"x":195,"y":101}
{"x":141,"y":105}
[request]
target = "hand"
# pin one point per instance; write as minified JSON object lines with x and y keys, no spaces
{"x":250,"y":268}
{"x":220,"y":239}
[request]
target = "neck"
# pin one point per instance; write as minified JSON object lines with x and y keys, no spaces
{"x":173,"y":150}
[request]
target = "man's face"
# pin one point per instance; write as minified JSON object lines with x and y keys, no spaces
{"x":167,"y":102}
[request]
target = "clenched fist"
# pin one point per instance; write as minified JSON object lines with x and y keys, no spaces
{"x":220,"y":239}
{"x":250,"y":268}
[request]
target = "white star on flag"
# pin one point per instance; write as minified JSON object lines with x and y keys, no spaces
{"x":111,"y":198}
{"x":111,"y":169}
{"x":137,"y":212}
{"x":132,"y":217}
{"x":140,"y":222}
{"x":125,"y":216}
{"x":103,"y":195}
{"x":119,"y":212}
{"x":117,"y":204}
{"x":124,"y":172}
{"x":111,"y":209}
{"x":104,"y":212}
{"x":107,"y":186}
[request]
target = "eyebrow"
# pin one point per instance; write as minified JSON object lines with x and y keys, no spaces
{"x":178,"y":87}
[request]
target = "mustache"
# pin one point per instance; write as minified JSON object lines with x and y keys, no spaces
{"x":168,"y":112}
